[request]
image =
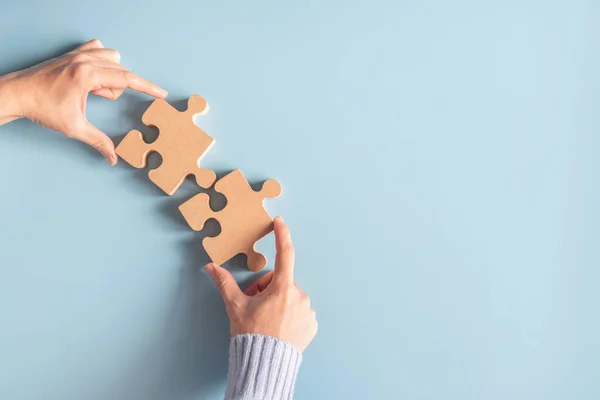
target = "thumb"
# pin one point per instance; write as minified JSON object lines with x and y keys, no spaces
{"x":99,"y":141}
{"x":224,"y":281}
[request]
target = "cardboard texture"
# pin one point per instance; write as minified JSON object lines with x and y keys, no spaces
{"x":243,"y":221}
{"x":180,"y":143}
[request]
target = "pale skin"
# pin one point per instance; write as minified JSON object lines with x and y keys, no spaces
{"x":54,"y":94}
{"x":274,"y":304}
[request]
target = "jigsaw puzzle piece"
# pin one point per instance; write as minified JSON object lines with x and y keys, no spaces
{"x":196,"y":211}
{"x":164,"y":178}
{"x":133,"y":149}
{"x":243,"y":221}
{"x":221,"y":249}
{"x":181,"y":144}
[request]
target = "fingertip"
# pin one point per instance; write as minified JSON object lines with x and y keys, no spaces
{"x":160,"y":92}
{"x":116,"y":93}
{"x":210,"y":268}
{"x":279,"y":222}
{"x":110,"y":156}
{"x":92,"y":44}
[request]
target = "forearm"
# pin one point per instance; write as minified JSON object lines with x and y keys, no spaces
{"x":261,"y":368}
{"x":9,"y":110}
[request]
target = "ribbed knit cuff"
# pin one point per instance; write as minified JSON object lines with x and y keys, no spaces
{"x":261,"y":368}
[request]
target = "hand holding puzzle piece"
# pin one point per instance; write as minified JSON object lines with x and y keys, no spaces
{"x":181,"y":143}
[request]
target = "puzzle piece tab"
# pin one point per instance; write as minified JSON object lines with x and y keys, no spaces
{"x":243,"y":221}
{"x":181,"y":144}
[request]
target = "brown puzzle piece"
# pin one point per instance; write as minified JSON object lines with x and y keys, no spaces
{"x":243,"y":221}
{"x":181,"y":144}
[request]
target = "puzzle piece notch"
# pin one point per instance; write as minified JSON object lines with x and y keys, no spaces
{"x":181,"y":144}
{"x":244,"y":220}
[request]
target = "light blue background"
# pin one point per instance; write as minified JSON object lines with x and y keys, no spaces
{"x":440,"y":173}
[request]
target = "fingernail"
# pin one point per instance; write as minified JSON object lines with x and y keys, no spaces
{"x":160,"y":91}
{"x":110,"y":159}
{"x":280,"y":219}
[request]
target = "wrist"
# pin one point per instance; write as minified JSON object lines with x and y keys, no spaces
{"x":9,"y":104}
{"x":261,"y":367}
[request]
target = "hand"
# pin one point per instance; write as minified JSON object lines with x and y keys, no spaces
{"x":54,"y":93}
{"x":273,"y":305}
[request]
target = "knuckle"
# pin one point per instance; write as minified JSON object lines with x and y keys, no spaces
{"x":221,"y":282}
{"x":98,"y":145}
{"x":79,"y":58}
{"x":305,"y":300}
{"x":81,"y":72}
{"x":115,"y":54}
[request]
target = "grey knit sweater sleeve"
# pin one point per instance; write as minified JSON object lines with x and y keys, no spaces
{"x":261,"y":368}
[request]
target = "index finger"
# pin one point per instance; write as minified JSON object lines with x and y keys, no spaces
{"x":284,"y":260}
{"x":115,"y":78}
